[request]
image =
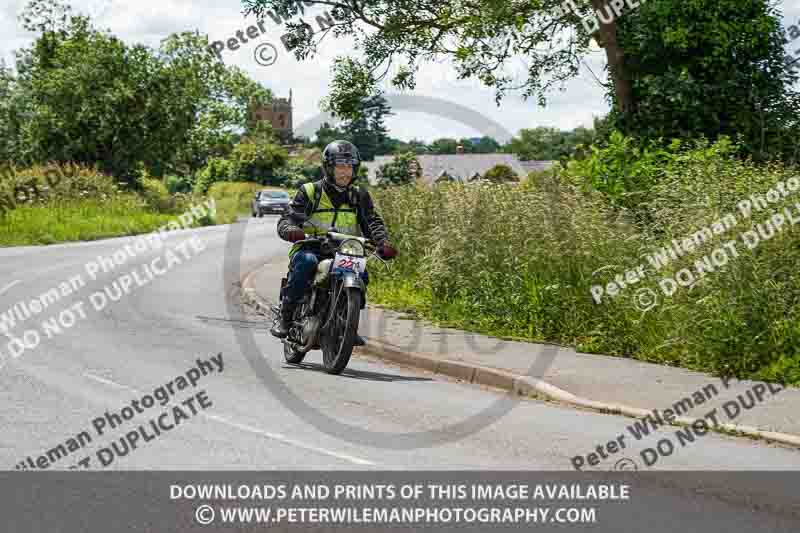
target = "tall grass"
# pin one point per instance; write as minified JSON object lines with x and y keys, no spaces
{"x":47,"y":204}
{"x":71,"y":220}
{"x":520,"y":262}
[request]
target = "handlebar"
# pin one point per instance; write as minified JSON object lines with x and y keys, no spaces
{"x":336,"y":237}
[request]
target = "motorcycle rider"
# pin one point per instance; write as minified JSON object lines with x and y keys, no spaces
{"x":332,"y":201}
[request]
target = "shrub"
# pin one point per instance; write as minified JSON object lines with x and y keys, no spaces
{"x":178,"y":184}
{"x":217,"y":169}
{"x":501,"y":174}
{"x":463,"y":264}
{"x":400,"y":170}
{"x":156,"y":195}
{"x":257,"y":162}
{"x":41,"y":183}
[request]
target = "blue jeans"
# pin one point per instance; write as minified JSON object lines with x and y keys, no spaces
{"x":302,"y":269}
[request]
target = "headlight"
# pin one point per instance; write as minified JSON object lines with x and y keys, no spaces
{"x":352,"y":247}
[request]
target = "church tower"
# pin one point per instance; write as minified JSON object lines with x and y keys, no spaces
{"x":279,"y":114}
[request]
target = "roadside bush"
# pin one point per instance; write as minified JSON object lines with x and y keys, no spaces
{"x":217,"y":169}
{"x":156,"y":195}
{"x":257,"y":162}
{"x":297,"y":171}
{"x":41,"y":183}
{"x":178,"y":184}
{"x":500,"y":174}
{"x":623,"y":170}
{"x":400,"y":170}
{"x":520,"y":262}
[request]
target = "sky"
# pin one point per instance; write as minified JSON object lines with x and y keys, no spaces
{"x":149,"y":21}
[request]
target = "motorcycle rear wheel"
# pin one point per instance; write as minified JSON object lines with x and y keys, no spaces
{"x":339,"y":337}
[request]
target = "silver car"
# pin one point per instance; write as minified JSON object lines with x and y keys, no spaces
{"x":269,"y":202}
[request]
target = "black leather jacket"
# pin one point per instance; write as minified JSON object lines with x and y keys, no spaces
{"x":369,"y":220}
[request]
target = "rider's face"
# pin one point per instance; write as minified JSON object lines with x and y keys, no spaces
{"x":343,"y":174}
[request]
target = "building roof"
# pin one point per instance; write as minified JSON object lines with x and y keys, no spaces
{"x":461,"y":167}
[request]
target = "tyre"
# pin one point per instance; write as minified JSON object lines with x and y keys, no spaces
{"x":291,"y":350}
{"x":338,"y":339}
{"x":291,"y":354}
{"x":260,"y":214}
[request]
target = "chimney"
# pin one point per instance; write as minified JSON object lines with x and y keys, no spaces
{"x":460,"y":149}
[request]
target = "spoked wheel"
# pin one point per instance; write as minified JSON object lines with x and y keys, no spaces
{"x":337,"y":342}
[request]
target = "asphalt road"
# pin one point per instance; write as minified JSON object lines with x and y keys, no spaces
{"x":53,"y":392}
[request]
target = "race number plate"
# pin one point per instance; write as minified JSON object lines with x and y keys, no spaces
{"x":348,"y":263}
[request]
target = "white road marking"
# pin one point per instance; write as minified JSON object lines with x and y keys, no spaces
{"x":274,"y":436}
{"x":4,"y":289}
{"x":109,"y":382}
{"x":286,"y":440}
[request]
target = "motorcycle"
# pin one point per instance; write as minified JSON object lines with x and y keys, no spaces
{"x":328,"y":316}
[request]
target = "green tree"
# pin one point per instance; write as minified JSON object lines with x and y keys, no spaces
{"x":217,"y":169}
{"x":414,"y":145}
{"x":403,"y":169}
{"x":365,"y":129}
{"x":222,"y":96}
{"x":479,"y":37}
{"x":486,"y":145}
{"x":9,"y":113}
{"x":327,"y":133}
{"x":716,"y":69}
{"x":84,"y":95}
{"x":257,"y":162}
{"x":443,"y":146}
{"x":718,"y":63}
{"x":537,"y":144}
{"x":550,"y":144}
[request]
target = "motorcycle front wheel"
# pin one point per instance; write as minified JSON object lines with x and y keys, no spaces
{"x":338,"y":339}
{"x":292,"y":355}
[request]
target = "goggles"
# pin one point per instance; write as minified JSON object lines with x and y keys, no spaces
{"x":345,"y":160}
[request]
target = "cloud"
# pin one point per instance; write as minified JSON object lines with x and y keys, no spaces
{"x":149,"y":21}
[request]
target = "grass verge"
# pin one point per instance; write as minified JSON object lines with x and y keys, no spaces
{"x":74,"y":220}
{"x":520,"y":262}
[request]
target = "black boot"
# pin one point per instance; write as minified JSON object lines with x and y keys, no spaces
{"x":359,"y":341}
{"x":281,"y":327}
